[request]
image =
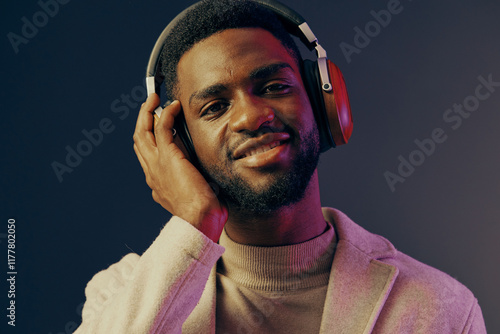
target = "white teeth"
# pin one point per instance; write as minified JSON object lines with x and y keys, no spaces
{"x":262,"y":149}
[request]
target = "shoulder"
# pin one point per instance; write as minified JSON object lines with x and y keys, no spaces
{"x":115,"y":275}
{"x":425,"y":286}
{"x":376,"y":247}
{"x":436,"y":301}
{"x":433,"y":299}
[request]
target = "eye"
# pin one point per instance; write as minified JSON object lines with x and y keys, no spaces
{"x":276,"y":89}
{"x":215,"y":108}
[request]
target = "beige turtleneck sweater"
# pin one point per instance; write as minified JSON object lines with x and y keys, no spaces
{"x":278,"y":289}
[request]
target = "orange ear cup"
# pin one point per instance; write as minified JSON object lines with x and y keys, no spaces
{"x":337,"y":107}
{"x":331,"y":108}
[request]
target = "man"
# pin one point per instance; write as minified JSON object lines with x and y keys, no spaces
{"x":249,"y":248}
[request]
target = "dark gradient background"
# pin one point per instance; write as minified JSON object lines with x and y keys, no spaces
{"x":89,"y":54}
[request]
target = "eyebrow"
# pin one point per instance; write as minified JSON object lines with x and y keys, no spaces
{"x":208,"y":92}
{"x":259,"y":73}
{"x":268,"y":70}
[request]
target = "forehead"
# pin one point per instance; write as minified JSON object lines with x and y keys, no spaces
{"x":227,"y":56}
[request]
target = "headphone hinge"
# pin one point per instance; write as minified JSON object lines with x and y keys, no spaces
{"x":326,"y":85}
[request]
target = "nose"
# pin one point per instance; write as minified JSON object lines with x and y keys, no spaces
{"x":250,"y":113}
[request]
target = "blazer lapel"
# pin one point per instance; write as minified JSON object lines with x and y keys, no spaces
{"x":359,"y":281}
{"x":202,"y":319}
{"x":358,"y":289}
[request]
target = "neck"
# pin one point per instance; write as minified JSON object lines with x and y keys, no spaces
{"x":288,"y":225}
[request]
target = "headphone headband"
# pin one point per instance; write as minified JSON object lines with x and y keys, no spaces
{"x":294,"y":23}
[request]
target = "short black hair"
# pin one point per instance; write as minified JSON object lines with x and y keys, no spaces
{"x":210,"y":17}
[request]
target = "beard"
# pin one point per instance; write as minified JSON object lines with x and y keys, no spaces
{"x":285,"y":189}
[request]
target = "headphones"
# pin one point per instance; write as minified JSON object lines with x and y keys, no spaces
{"x":322,"y":78}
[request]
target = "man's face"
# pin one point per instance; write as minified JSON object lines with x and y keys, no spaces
{"x":251,"y":122}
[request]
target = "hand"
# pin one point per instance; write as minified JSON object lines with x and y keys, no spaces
{"x":177,"y":185}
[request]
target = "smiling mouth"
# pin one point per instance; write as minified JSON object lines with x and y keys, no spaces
{"x":261,"y":149}
{"x":262,"y":144}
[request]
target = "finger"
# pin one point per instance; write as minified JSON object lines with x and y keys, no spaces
{"x":146,"y":113}
{"x":143,"y":135}
{"x":155,"y":196}
{"x":145,"y":168}
{"x":143,"y":163}
{"x":164,"y":135}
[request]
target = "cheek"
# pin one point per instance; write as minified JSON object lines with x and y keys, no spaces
{"x":307,"y":113}
{"x":299,"y":114}
{"x":208,"y":142}
{"x":307,"y":108}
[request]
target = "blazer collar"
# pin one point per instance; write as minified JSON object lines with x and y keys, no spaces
{"x":360,"y":281}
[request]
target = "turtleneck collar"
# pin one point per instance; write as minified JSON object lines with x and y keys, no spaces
{"x":280,"y":268}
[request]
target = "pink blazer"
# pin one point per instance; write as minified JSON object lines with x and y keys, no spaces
{"x":373,"y":288}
